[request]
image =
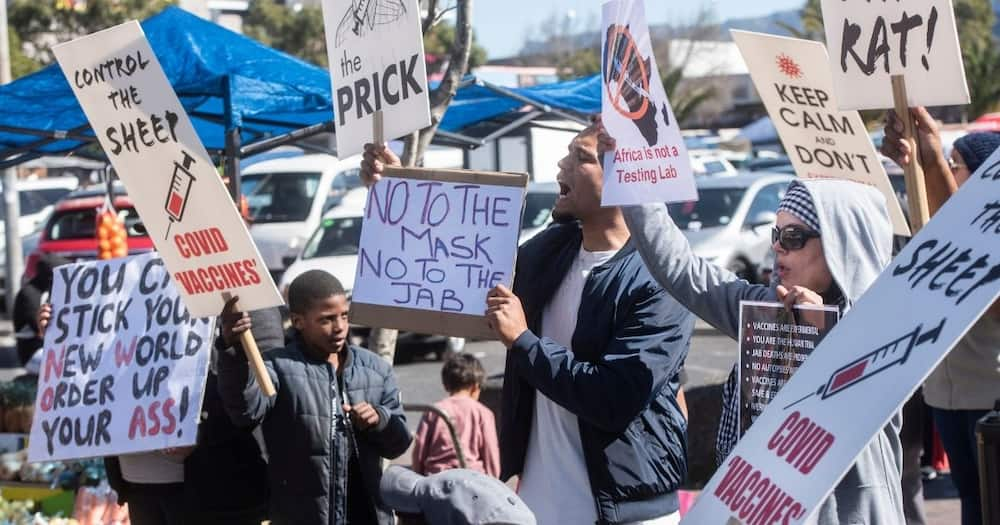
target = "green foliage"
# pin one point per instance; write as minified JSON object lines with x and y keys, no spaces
{"x":438,"y":42}
{"x":298,"y":33}
{"x":582,"y":62}
{"x":685,"y":101}
{"x":20,"y":64}
{"x":40,"y":24}
{"x":982,"y":70}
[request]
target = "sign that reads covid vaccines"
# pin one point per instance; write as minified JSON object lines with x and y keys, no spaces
{"x":811,"y":432}
{"x":124,"y":363}
{"x":795,"y":84}
{"x":871,"y":41}
{"x":650,"y":161}
{"x":433,"y":243}
{"x":156,"y":152}
{"x":376,"y":54}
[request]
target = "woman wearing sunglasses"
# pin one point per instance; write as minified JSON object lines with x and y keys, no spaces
{"x":832,"y":240}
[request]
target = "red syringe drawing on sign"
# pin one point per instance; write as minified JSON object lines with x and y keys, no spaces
{"x":878,"y":360}
{"x":180,"y":189}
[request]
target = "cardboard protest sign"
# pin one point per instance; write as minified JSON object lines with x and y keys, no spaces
{"x":124,"y":363}
{"x":650,"y":162}
{"x":433,"y":243}
{"x":866,"y":367}
{"x":871,"y":41}
{"x":376,"y":52}
{"x":152,"y":144}
{"x":773,"y":344}
{"x":795,"y":84}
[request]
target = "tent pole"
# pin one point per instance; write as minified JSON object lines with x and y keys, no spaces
{"x":232,"y":167}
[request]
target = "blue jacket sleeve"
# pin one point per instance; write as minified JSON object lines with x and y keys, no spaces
{"x":711,"y":292}
{"x":242,"y":399}
{"x":390,"y":437}
{"x":649,"y":344}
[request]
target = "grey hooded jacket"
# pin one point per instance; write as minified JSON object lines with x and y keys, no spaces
{"x":857,"y":245}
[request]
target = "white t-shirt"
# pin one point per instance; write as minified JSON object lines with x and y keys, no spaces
{"x":151,"y":467}
{"x":555,"y":484}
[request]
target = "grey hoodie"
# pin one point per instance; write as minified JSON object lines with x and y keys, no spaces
{"x":857,"y":245}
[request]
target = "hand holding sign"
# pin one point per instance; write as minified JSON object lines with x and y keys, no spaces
{"x":505,"y":315}
{"x":374,"y":162}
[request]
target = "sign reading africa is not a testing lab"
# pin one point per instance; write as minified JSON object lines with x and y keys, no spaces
{"x":870,"y":41}
{"x":794,"y":82}
{"x":156,"y":152}
{"x":376,"y":54}
{"x":650,"y":162}
{"x":124,"y":363}
{"x":866,"y":367}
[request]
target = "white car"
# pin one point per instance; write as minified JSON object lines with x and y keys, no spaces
{"x":712,"y":165}
{"x":37,"y":199}
{"x":288,"y":197}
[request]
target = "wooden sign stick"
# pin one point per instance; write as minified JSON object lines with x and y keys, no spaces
{"x":378,"y":129}
{"x":916,"y":190}
{"x":249,"y":345}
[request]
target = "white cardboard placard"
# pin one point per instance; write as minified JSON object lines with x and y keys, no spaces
{"x":376,"y":55}
{"x":867,"y":366}
{"x":124,"y":363}
{"x":795,"y":84}
{"x":871,"y":41}
{"x":153,"y":146}
{"x":650,"y":162}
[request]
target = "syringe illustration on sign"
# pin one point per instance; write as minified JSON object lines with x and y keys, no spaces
{"x":180,"y":189}
{"x":893,"y":353}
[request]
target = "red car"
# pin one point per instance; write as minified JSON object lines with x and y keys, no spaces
{"x":71,"y":230}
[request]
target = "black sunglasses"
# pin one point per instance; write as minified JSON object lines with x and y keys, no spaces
{"x":792,"y":237}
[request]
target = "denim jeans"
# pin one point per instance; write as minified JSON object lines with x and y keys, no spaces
{"x":958,"y":435}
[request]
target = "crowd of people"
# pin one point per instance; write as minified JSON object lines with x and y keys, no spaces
{"x":597,"y":326}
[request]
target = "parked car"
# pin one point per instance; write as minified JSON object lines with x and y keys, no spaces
{"x":287,"y":198}
{"x":71,"y":230}
{"x":730,"y":223}
{"x":334,"y":245}
{"x":713,"y":165}
{"x":36,"y":199}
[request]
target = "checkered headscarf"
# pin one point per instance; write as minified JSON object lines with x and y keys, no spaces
{"x":799,"y":203}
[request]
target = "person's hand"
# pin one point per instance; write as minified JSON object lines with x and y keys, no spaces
{"x":233,"y":323}
{"x":43,"y":318}
{"x":605,"y":142}
{"x":363,"y":415}
{"x":505,"y":315}
{"x":798,"y":295}
{"x":374,"y":161}
{"x":928,"y":137}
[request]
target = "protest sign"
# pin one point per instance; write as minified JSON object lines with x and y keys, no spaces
{"x":152,"y":144}
{"x":124,"y":363}
{"x":773,"y":344}
{"x":376,"y":54}
{"x":866,"y":367}
{"x":871,"y":41}
{"x":650,"y":161}
{"x":433,"y":243}
{"x":795,"y":84}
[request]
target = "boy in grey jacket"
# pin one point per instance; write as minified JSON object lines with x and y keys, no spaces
{"x":832,"y":240}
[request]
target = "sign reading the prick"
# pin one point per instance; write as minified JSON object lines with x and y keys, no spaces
{"x":794,"y":82}
{"x":871,"y":41}
{"x":433,"y":243}
{"x":124,"y":363}
{"x":811,"y":432}
{"x":376,"y":54}
{"x":152,"y":144}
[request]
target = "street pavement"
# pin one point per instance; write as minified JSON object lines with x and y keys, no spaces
{"x":419,"y":379}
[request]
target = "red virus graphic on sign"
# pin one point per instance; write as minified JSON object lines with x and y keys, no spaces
{"x":788,"y":66}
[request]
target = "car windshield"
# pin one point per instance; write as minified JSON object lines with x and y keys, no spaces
{"x":82,"y":224}
{"x":280,"y":197}
{"x":34,"y":201}
{"x":537,"y":208}
{"x":714,"y":207}
{"x":339,"y":236}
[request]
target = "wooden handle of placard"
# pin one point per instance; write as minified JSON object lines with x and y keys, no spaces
{"x":249,"y":345}
{"x":916,"y":191}
{"x":378,"y":129}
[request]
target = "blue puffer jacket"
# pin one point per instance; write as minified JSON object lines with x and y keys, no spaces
{"x":303,"y":425}
{"x":620,"y":379}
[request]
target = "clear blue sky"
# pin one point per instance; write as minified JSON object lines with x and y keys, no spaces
{"x":502,"y":25}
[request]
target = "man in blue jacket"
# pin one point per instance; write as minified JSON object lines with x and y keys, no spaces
{"x":590,"y":420}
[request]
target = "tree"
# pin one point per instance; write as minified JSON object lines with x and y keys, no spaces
{"x":982,"y":69}
{"x":811,"y":19}
{"x":299,"y":33}
{"x":382,"y":340}
{"x":437,"y":48}
{"x":20,"y":64}
{"x":39,"y":25}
